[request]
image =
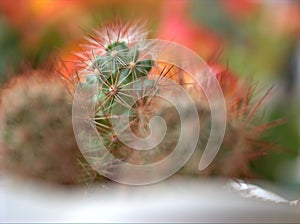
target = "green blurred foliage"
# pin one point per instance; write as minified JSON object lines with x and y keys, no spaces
{"x":249,"y":47}
{"x":281,"y":165}
{"x":10,"y":50}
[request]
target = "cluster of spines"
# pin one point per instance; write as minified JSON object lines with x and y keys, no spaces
{"x":112,"y":60}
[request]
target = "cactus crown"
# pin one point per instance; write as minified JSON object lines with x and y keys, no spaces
{"x":113,"y":60}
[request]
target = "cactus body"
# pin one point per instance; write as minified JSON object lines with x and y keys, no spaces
{"x":36,"y":131}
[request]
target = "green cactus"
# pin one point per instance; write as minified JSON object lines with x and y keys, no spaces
{"x":115,"y":64}
{"x":115,"y":70}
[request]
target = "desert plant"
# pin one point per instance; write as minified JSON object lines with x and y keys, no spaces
{"x":112,"y":60}
{"x":246,"y":126}
{"x":36,"y":135}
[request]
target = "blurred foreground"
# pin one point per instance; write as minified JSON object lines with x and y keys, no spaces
{"x":175,"y":200}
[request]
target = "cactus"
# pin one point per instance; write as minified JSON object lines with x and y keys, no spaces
{"x":36,"y":131}
{"x":243,"y":141}
{"x":110,"y":59}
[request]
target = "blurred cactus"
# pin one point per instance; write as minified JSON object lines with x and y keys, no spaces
{"x":36,"y":131}
{"x":244,"y":140}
